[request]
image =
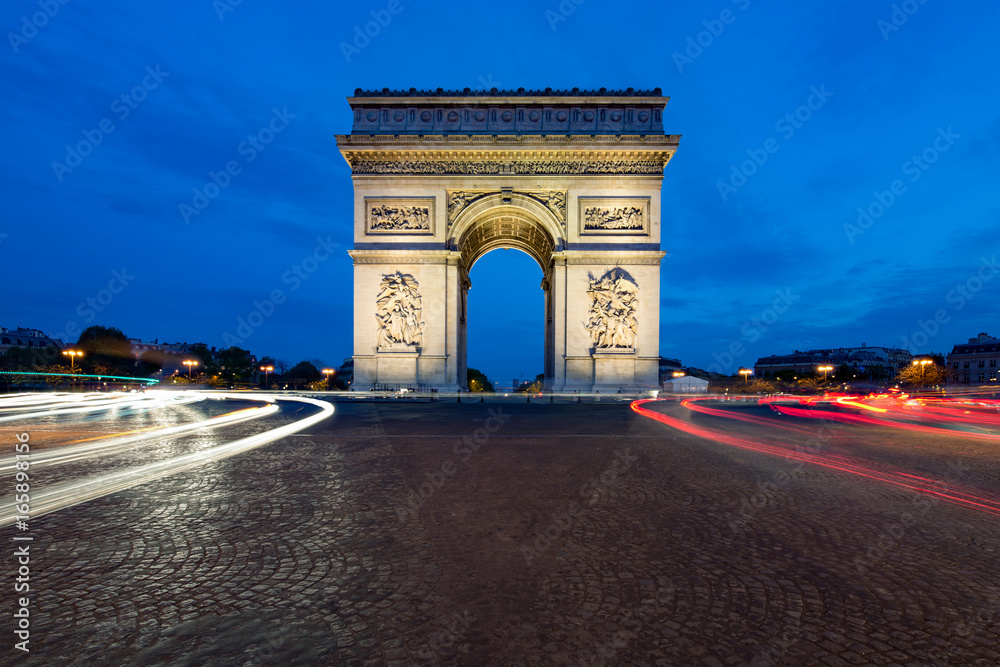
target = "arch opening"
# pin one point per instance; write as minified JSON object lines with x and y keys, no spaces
{"x":507,"y":227}
{"x":507,"y":317}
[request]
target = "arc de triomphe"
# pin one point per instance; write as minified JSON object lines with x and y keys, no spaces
{"x":571,"y":178}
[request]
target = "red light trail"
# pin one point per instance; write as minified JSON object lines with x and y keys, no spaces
{"x":947,"y":492}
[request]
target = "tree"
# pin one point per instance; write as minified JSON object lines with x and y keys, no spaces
{"x":149,"y":363}
{"x":532,"y":387}
{"x":477,"y":380}
{"x":234,"y":364}
{"x":30,"y":359}
{"x":108,"y":348}
{"x":921,"y":375}
{"x":206,"y":360}
{"x":302,"y":373}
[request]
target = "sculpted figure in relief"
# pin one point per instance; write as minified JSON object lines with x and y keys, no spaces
{"x":398,"y":311}
{"x":614,"y":310}
{"x":629,"y":217}
{"x":389,"y":218}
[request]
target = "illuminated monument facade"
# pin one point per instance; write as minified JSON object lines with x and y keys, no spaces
{"x":572,"y":178}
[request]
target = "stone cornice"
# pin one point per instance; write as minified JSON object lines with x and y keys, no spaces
{"x":507,"y":141}
{"x":610,"y":257}
{"x":509,"y":168}
{"x":409,"y":256}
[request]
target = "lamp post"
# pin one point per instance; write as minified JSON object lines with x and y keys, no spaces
{"x":746,"y":373}
{"x":825,"y":369}
{"x":72,"y":354}
{"x":266,"y":369}
{"x":328,"y":372}
{"x":922,"y":363}
{"x":190,"y":364}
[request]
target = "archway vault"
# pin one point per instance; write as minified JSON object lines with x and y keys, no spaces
{"x":502,"y":228}
{"x":483,"y":221}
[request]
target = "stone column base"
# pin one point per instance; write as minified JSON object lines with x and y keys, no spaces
{"x":614,"y":368}
{"x":396,"y":364}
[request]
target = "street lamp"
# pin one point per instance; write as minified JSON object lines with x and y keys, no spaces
{"x":327,"y":372}
{"x":825,"y":369}
{"x":679,"y":374}
{"x":266,"y":369}
{"x":746,"y":373}
{"x":190,"y":364}
{"x":922,"y":363}
{"x":72,"y":354}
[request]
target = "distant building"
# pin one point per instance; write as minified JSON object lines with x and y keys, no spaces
{"x":868,"y":360}
{"x":668,"y":367}
{"x":25,"y":338}
{"x":975,"y":361}
{"x":345,"y":373}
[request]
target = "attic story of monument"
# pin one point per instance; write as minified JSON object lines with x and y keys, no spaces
{"x":572,"y":178}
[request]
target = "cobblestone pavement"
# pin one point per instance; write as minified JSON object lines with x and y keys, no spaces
{"x":396,"y":534}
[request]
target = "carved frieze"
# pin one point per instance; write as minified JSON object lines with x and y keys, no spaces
{"x":385,"y":215}
{"x":398,"y":310}
{"x":614,"y":310}
{"x":554,"y":200}
{"x":495,"y":167}
{"x":614,"y":215}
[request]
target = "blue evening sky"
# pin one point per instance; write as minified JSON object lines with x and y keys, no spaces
{"x":215,"y":72}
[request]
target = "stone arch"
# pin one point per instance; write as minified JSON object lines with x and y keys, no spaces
{"x":506,"y":220}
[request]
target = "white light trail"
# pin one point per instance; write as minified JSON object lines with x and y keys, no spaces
{"x":148,"y":401}
{"x":75,"y":492}
{"x":59,"y":455}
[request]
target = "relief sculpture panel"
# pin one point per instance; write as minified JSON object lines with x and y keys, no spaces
{"x":614,"y":215}
{"x":399,"y":216}
{"x":399,"y":311}
{"x":614,"y":310}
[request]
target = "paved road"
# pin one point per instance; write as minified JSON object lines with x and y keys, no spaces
{"x":546,"y":535}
